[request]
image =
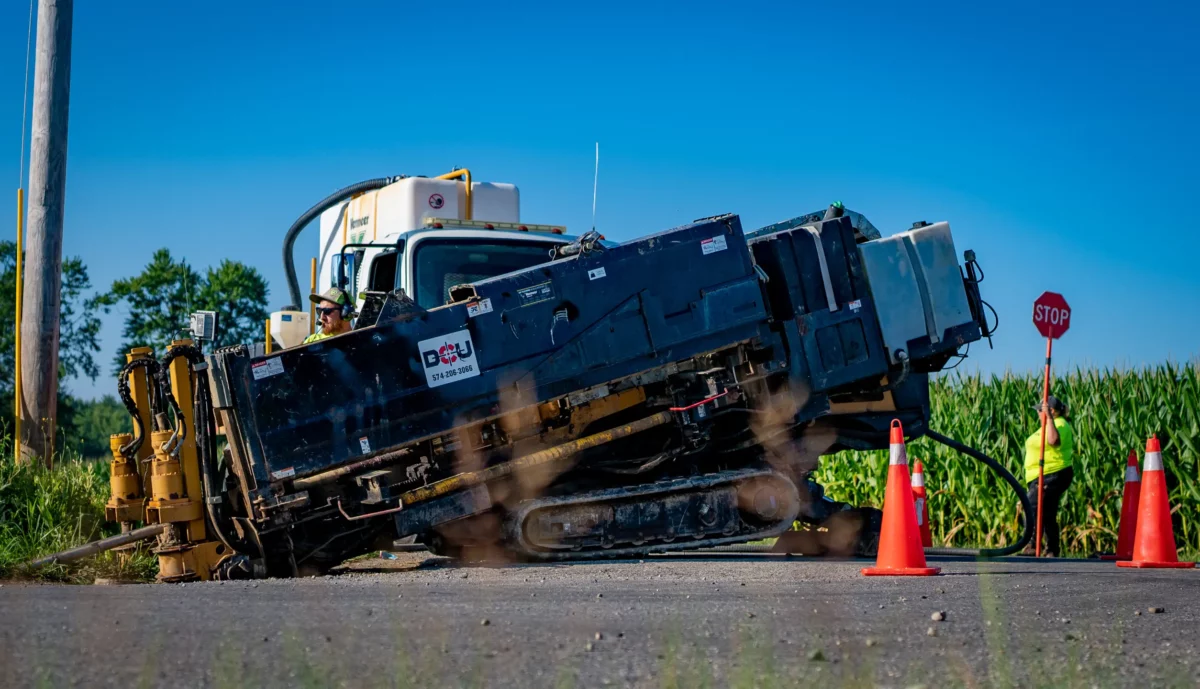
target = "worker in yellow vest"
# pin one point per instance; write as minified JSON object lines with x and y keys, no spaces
{"x":334,"y":309}
{"x":1060,"y":451}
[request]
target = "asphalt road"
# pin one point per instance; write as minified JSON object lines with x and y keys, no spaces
{"x":690,"y":621}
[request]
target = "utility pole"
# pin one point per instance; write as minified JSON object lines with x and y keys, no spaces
{"x":42,"y":297}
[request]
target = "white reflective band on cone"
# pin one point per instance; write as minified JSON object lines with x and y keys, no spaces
{"x":1153,"y":461}
{"x":898,"y":455}
{"x":918,"y":480}
{"x":1131,"y":475}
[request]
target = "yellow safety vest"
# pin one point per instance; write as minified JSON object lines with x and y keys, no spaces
{"x":1057,"y":457}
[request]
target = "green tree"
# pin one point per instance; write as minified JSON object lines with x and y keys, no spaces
{"x":82,"y":425}
{"x":79,"y":329}
{"x":239,"y":294}
{"x":158,"y":300}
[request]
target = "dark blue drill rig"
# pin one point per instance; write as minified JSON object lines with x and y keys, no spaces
{"x":673,"y":392}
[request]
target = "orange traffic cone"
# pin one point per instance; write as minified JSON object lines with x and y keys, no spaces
{"x":1154,"y":538}
{"x":900,"y":552}
{"x":1129,"y":511}
{"x":918,"y":489}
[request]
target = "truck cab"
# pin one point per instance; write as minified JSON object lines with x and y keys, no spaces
{"x":427,"y":262}
{"x":422,"y":235}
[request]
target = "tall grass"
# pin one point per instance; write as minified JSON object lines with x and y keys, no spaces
{"x":44,"y":511}
{"x":1111,"y":412}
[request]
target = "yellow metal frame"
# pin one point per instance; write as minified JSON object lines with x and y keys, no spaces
{"x":17,"y":354}
{"x":182,"y":385}
{"x":267,"y":329}
{"x":465,"y":175}
{"x":177,"y":494}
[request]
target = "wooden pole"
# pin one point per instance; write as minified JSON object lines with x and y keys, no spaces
{"x":47,"y":187}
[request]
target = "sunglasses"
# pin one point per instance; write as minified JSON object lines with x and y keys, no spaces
{"x":327,"y":311}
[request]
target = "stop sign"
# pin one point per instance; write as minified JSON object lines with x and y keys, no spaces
{"x":1051,"y":315}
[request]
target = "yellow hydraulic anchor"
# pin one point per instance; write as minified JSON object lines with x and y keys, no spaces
{"x":127,"y":502}
{"x":127,"y":478}
{"x":175,"y":495}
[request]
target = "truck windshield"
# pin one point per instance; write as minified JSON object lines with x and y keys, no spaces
{"x":442,"y":264}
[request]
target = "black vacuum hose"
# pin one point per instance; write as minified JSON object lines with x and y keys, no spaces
{"x":289,"y":240}
{"x":1022,"y":496}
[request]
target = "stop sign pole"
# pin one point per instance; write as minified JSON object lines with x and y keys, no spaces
{"x":1052,"y":318}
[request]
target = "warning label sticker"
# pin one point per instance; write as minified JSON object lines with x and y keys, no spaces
{"x":856,"y":305}
{"x":713,"y":244}
{"x":479,"y":308}
{"x":266,"y":369}
{"x":364,"y":444}
{"x":448,"y":358}
{"x":283,"y":473}
{"x":532,"y":295}
{"x":596,"y":273}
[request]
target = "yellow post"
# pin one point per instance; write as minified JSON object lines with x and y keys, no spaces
{"x":182,"y":384}
{"x":312,"y":308}
{"x":465,"y":175}
{"x":268,"y":331}
{"x":17,"y":355}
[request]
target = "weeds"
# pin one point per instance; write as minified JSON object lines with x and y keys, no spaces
{"x":44,"y":511}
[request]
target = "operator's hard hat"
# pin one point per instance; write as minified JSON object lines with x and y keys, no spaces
{"x":333,"y":294}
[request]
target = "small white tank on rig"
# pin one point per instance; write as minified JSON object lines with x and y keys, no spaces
{"x":289,"y":328}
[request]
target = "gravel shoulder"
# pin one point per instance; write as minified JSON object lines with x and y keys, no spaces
{"x":717,"y":620}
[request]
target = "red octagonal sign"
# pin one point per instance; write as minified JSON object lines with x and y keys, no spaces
{"x":1051,"y":315}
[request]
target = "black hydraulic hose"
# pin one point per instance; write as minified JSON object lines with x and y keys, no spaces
{"x":130,"y":449}
{"x":1022,"y":496}
{"x":194,"y":356}
{"x":1012,"y":481}
{"x":289,"y":240}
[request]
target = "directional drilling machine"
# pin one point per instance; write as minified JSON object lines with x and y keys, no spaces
{"x":511,"y":390}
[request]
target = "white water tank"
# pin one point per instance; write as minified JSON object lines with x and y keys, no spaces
{"x":403,"y":206}
{"x":494,"y":202}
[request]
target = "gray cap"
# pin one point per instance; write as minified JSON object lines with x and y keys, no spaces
{"x":1056,"y":405}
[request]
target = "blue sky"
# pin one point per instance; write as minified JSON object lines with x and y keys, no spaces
{"x":1060,"y":144}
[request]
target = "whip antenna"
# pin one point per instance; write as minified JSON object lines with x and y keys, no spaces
{"x":595,"y":181}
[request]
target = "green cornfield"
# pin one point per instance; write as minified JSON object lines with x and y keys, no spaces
{"x":1111,"y":412}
